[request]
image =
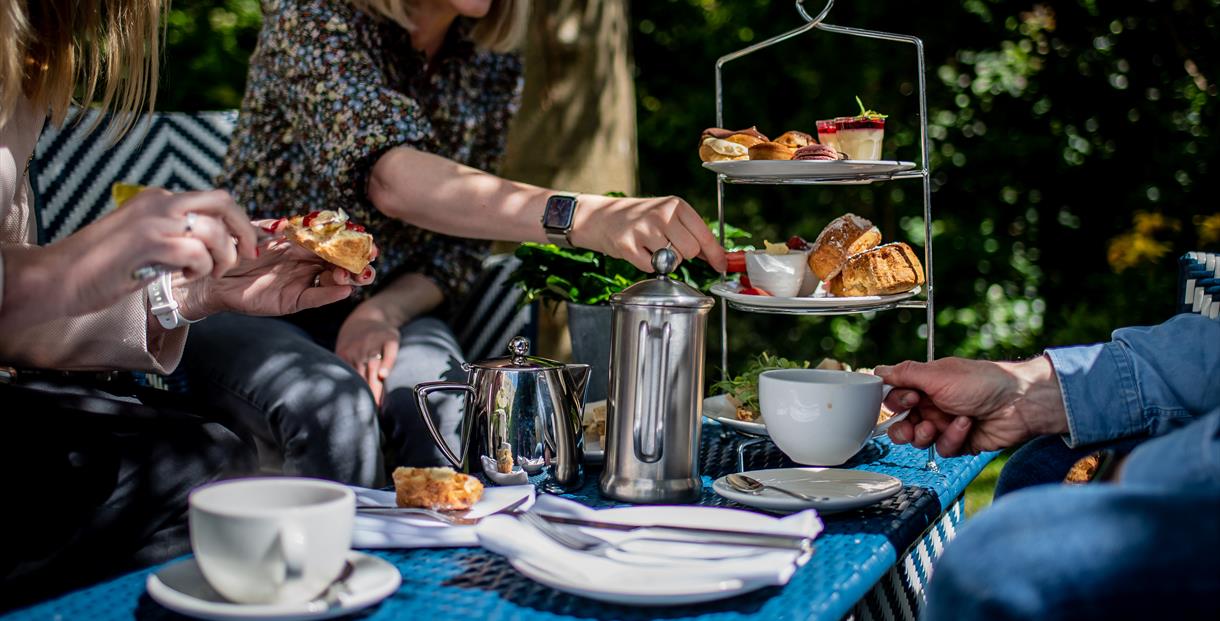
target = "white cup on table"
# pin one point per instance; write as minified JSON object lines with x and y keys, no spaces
{"x":821,"y":417}
{"x":272,"y":540}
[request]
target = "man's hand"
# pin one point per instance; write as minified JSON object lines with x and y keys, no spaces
{"x":282,"y":279}
{"x":969,"y":406}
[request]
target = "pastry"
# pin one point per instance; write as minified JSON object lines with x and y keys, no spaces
{"x":771,"y":151}
{"x":745,"y":140}
{"x":818,"y":152}
{"x":795,"y":139}
{"x":717,"y":132}
{"x":884,"y":270}
{"x":844,"y":236}
{"x":440,"y":489}
{"x":719,"y":150}
{"x":330,"y":235}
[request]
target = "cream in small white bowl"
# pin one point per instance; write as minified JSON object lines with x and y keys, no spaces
{"x":781,"y":275}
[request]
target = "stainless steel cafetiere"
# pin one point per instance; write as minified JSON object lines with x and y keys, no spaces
{"x":522,"y":422}
{"x":656,"y":389}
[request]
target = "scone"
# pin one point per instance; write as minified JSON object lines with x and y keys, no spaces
{"x":330,"y":235}
{"x":844,"y":236}
{"x":441,"y":489}
{"x":884,"y":270}
{"x":771,"y":151}
{"x":745,"y":140}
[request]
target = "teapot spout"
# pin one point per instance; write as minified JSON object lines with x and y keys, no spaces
{"x":578,"y":375}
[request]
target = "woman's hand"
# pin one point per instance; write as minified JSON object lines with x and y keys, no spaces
{"x":634,"y":228}
{"x":282,"y":279}
{"x":368,"y":340}
{"x":197,"y":233}
{"x":968,"y":406}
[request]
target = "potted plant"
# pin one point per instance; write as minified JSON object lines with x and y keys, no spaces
{"x":584,"y":280}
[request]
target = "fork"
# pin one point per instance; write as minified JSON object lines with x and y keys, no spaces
{"x":452,"y":519}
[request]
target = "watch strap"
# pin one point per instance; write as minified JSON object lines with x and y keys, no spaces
{"x":161,"y":302}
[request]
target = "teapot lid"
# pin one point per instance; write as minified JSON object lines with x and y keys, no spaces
{"x":518,"y":359}
{"x":662,"y":290}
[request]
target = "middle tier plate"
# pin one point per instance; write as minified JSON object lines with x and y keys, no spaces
{"x":818,"y":303}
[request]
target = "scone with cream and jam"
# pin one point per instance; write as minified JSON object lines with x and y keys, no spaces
{"x":441,"y":489}
{"x":330,"y":235}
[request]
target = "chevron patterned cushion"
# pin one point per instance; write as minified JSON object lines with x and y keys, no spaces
{"x":74,"y":168}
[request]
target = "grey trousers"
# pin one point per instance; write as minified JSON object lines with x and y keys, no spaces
{"x":309,"y":411}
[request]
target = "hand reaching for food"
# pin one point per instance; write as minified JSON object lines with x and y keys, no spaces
{"x":634,"y":228}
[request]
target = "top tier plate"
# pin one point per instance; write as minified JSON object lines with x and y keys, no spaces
{"x":812,"y":171}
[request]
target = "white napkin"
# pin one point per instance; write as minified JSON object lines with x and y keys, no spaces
{"x":508,"y":536}
{"x":411,"y":531}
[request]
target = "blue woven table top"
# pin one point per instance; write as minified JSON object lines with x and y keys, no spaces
{"x":850,"y":556}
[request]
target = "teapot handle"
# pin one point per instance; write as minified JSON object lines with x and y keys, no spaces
{"x":422,"y":391}
{"x":650,"y":418}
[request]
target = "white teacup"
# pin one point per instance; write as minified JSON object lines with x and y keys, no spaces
{"x":821,"y":417}
{"x":781,"y":275}
{"x":279,"y":540}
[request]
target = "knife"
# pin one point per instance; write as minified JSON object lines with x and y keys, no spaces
{"x":714,"y":536}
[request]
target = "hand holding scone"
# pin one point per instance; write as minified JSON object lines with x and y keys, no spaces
{"x":333,"y":237}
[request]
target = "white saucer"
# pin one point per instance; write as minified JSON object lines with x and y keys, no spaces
{"x":832,"y":489}
{"x":720,"y":410}
{"x":182,"y":588}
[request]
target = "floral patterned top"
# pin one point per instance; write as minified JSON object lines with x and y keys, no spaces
{"x":331,"y":89}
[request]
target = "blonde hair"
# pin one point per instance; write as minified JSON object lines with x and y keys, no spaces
{"x":50,"y":48}
{"x":501,"y":30}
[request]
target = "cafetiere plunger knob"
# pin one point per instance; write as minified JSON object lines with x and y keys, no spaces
{"x":519,"y":347}
{"x":664,"y":261}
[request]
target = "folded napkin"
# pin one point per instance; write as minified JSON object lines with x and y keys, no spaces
{"x":413,"y":531}
{"x":753,"y":567}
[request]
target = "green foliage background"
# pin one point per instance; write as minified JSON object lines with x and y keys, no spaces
{"x":1073,"y":150}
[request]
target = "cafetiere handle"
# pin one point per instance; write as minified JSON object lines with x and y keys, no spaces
{"x":422,"y":391}
{"x":651,"y":417}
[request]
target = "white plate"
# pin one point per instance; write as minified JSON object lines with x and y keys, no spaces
{"x":182,"y":588}
{"x":832,"y":489}
{"x":819,"y":301}
{"x":808,"y":169}
{"x":720,"y":410}
{"x":682,"y":588}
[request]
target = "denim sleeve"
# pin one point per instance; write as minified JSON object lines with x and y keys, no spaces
{"x":1186,"y":459}
{"x":1146,"y":381}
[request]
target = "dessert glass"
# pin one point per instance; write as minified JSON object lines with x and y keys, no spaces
{"x":828,"y":133}
{"x":860,"y":136}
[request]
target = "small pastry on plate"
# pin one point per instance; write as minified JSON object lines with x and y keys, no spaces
{"x":884,"y":270}
{"x":745,"y":140}
{"x":795,"y":139}
{"x":440,"y":489}
{"x":818,"y":152}
{"x":330,"y":235}
{"x":844,"y":236}
{"x":719,"y":150}
{"x":771,"y":151}
{"x":723,"y":134}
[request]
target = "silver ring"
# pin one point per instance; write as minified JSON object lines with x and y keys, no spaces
{"x":317,"y":279}
{"x":190,"y":222}
{"x":373,"y":357}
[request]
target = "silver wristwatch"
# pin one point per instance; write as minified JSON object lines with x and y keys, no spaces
{"x":558,"y":217}
{"x":162,"y":304}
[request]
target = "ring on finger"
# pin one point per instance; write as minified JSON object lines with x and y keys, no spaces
{"x":317,"y":280}
{"x":373,"y":357}
{"x":190,"y":222}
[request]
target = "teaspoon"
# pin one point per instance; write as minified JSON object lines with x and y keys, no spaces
{"x":750,"y":485}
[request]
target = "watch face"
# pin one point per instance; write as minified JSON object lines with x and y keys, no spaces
{"x":558,"y":213}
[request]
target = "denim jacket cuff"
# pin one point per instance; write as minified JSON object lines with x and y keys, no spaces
{"x":1100,"y":393}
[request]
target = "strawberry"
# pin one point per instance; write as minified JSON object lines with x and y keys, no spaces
{"x":737,"y":261}
{"x":308,"y":219}
{"x":796,"y":242}
{"x":745,"y":281}
{"x":352,"y":226}
{"x":753,"y":291}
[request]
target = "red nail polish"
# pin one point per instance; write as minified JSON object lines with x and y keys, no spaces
{"x":366,"y":273}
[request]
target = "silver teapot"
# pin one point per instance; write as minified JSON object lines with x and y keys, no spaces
{"x":522,"y":421}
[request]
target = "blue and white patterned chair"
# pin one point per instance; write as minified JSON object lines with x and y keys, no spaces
{"x":73,"y":170}
{"x":1199,"y":284}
